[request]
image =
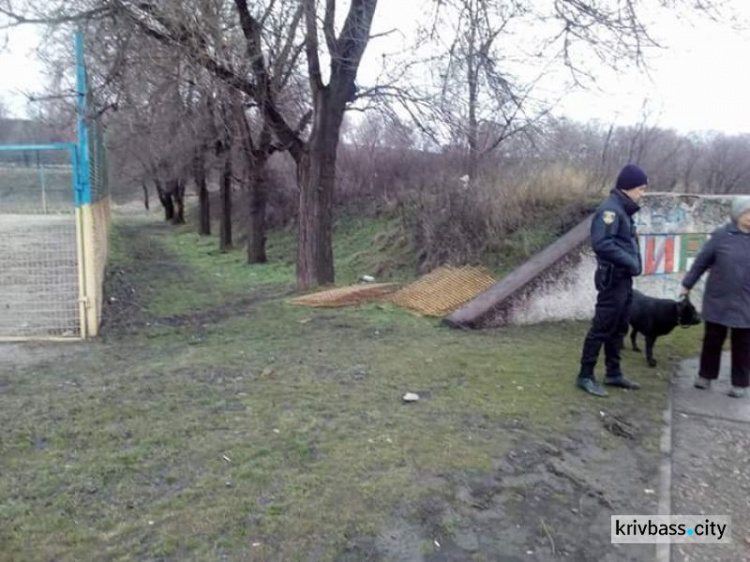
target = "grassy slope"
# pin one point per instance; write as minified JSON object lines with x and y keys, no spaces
{"x":219,"y":422}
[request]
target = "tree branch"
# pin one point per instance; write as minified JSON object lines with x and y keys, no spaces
{"x":311,"y":48}
{"x":264,"y":94}
{"x":328,"y":29}
{"x":287,"y":58}
{"x":351,"y":45}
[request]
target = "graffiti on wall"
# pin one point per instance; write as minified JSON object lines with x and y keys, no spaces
{"x":670,"y":253}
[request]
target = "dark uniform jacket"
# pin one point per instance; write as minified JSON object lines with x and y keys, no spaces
{"x":613,"y":236}
{"x":726,"y":299}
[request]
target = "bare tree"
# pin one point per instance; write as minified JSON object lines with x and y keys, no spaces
{"x":484,"y":77}
{"x":315,"y":156}
{"x":479,"y":97}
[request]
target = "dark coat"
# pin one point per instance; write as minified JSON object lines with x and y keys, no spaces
{"x":726,"y":300}
{"x":613,"y":235}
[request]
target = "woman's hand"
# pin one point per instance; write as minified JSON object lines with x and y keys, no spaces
{"x":684,"y":291}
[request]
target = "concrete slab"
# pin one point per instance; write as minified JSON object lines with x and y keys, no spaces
{"x":711,"y":462}
{"x":713,"y":402}
{"x":711,"y":476}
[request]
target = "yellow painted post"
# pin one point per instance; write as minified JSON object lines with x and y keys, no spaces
{"x":81,"y":256}
{"x":89,"y":243}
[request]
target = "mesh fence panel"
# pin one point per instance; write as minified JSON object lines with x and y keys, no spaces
{"x":30,"y":187}
{"x":38,"y":253}
{"x":98,"y":173}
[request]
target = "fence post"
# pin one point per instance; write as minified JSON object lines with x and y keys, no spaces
{"x":83,"y":193}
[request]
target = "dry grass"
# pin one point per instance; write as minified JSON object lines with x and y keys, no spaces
{"x":455,"y":223}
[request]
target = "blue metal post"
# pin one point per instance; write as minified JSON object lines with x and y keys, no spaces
{"x":84,"y":181}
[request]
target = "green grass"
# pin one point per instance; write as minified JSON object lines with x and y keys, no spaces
{"x":361,"y":247}
{"x":278,"y":425}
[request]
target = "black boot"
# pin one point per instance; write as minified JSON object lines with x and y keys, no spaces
{"x":587,"y":382}
{"x":612,"y":361}
{"x":620,"y":381}
{"x":591,"y":386}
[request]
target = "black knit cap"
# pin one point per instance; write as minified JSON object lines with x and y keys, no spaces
{"x":631,"y":176}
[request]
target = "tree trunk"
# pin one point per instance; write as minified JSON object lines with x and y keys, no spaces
{"x":257,"y":196}
{"x":180,"y":202}
{"x":225,"y":226}
{"x":176,"y":190}
{"x":166,"y":201}
{"x":317,"y":177}
{"x":256,"y":187}
{"x":315,"y":254}
{"x":204,"y":206}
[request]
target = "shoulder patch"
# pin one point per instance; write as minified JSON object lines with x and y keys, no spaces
{"x":608,"y":217}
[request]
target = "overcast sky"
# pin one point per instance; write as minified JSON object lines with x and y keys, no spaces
{"x":698,"y":82}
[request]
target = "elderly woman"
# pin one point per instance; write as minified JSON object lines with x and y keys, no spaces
{"x":726,"y":302}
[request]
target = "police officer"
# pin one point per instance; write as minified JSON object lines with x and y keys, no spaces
{"x":618,"y":258}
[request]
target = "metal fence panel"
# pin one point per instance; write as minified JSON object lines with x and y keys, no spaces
{"x":39,"y":276}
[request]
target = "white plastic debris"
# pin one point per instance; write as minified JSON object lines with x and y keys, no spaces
{"x":649,"y":491}
{"x":411,"y":397}
{"x":367,"y":279}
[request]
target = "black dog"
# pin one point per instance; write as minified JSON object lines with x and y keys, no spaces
{"x":658,"y":317}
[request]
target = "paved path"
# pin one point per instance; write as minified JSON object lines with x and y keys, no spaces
{"x":710,"y":472}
